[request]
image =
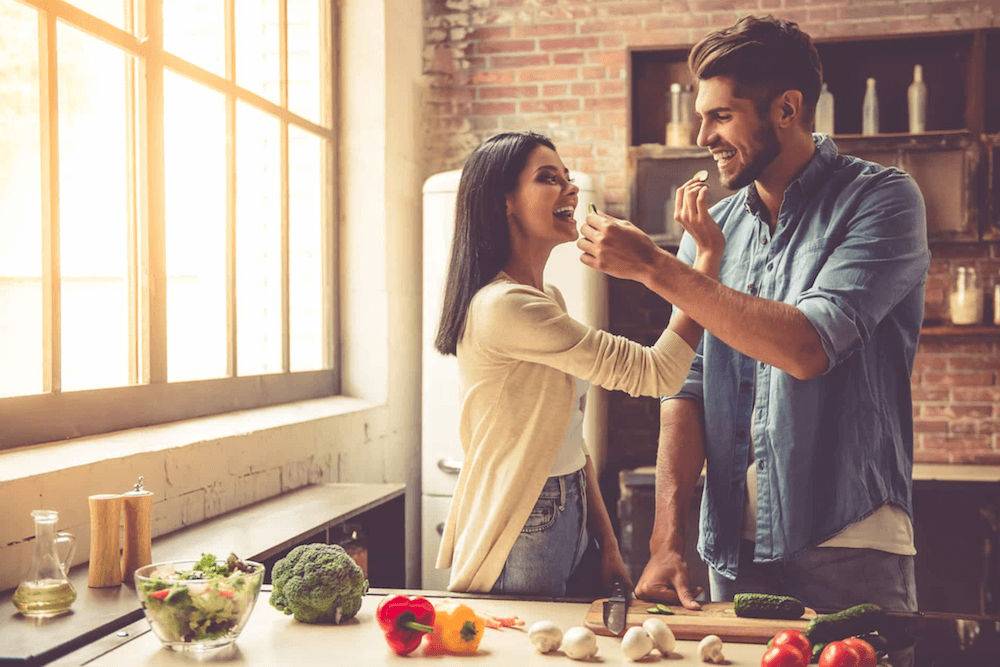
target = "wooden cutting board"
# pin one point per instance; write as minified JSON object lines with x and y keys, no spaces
{"x":715,"y":618}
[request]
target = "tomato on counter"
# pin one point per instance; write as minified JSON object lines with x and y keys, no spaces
{"x":839,"y":654}
{"x":794,"y":638}
{"x":865,"y":651}
{"x":784,"y":655}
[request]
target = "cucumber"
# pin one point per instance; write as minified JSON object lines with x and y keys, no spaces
{"x":762,"y":605}
{"x":851,"y":622}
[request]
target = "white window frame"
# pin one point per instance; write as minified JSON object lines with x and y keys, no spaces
{"x":149,"y":399}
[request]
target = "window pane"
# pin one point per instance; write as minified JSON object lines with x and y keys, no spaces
{"x":305,"y":241}
{"x":195,"y":176}
{"x":20,"y":215}
{"x":93,"y":201}
{"x":304,"y":58}
{"x":257,"y":61}
{"x":258,"y":242}
{"x":112,"y":11}
{"x":195,"y":31}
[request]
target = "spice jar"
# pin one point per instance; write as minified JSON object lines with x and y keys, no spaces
{"x":965,"y":302}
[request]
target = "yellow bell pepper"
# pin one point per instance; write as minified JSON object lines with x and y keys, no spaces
{"x":457,"y":629}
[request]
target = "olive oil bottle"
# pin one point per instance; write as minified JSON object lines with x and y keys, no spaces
{"x":46,"y":590}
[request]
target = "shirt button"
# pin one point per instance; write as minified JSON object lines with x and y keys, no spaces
{"x":770,"y":266}
{"x":763,"y":240}
{"x":745,"y":384}
{"x":751,"y":288}
{"x":760,"y":464}
{"x":742,"y":435}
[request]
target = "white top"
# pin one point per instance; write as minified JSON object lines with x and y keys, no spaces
{"x":517,"y":359}
{"x":572,"y":455}
{"x":887,"y":529}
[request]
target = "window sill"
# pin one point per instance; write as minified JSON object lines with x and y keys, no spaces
{"x":54,"y":456}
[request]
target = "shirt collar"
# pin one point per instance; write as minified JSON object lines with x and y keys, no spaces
{"x":812,"y":177}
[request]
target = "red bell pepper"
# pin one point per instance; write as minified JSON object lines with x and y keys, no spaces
{"x":405,"y":621}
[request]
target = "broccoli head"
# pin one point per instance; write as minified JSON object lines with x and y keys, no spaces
{"x":318,"y":583}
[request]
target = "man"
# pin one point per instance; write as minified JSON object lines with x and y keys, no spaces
{"x":798,"y":403}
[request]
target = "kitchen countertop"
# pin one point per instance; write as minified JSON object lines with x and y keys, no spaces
{"x":271,"y":638}
{"x":255,"y":532}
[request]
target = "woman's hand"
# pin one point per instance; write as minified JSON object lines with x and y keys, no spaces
{"x":691,"y":211}
{"x":613,"y":567}
{"x":616,"y":247}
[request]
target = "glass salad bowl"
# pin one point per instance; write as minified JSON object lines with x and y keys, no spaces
{"x":198,"y":605}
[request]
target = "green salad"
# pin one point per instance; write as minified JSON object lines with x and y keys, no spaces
{"x":201,"y":604}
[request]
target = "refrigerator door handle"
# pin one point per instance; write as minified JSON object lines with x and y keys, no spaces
{"x":450,"y":466}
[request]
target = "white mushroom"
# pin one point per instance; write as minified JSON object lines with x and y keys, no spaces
{"x":636,"y":644}
{"x":661,"y":634}
{"x":545,"y":636}
{"x":579,"y":643}
{"x":710,"y":650}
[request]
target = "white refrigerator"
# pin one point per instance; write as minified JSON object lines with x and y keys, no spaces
{"x":585,"y":291}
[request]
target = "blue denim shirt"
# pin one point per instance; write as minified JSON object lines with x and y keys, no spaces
{"x":850,"y":252}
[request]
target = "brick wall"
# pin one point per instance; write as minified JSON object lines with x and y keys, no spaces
{"x":560,"y":68}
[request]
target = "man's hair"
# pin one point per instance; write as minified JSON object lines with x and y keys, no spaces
{"x":764,"y":57}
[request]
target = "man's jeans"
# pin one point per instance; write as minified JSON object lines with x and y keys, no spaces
{"x":826,"y":578}
{"x":552,"y":542}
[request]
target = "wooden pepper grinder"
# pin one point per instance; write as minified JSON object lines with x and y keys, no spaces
{"x":138,"y":505}
{"x":105,"y":518}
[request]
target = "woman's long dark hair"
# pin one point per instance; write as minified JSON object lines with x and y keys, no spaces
{"x":481,"y":245}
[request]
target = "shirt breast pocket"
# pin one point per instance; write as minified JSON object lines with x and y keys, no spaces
{"x":800,"y":268}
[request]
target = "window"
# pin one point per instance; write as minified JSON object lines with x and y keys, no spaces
{"x":167,"y":235}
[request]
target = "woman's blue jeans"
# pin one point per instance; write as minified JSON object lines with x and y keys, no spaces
{"x":552,"y":542}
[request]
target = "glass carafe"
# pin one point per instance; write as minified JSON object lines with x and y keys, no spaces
{"x":45,"y":590}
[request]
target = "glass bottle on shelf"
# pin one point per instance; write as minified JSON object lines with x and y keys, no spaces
{"x":965,"y":302}
{"x":678,"y":132}
{"x":869,"y":110}
{"x":824,"y":111}
{"x":996,"y":308}
{"x":687,"y":113}
{"x":916,"y":98}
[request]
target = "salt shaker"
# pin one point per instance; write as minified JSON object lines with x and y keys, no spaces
{"x":138,"y":504}
{"x":104,"y":570}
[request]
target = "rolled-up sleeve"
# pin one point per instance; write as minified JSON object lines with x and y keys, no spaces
{"x":522,"y":323}
{"x":882,"y":257}
{"x":692,"y":387}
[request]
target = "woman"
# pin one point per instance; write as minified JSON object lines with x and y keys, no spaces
{"x":527,"y":497}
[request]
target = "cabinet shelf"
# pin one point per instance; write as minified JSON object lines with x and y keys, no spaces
{"x":889,"y":141}
{"x":953,"y":330}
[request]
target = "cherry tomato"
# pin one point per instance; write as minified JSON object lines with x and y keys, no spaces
{"x":839,"y":654}
{"x":784,"y":655}
{"x":865,"y":651}
{"x":794,"y":638}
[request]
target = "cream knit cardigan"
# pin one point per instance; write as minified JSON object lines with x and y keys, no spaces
{"x":517,"y":359}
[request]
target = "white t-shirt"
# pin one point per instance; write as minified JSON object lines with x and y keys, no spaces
{"x":572,"y":454}
{"x":887,"y":529}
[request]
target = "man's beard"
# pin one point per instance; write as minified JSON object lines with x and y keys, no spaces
{"x":770,"y":148}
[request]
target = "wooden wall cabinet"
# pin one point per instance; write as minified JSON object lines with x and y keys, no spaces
{"x":956,"y":164}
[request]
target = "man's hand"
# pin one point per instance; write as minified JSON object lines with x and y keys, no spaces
{"x":613,"y":567}
{"x":616,"y":247}
{"x":691,"y":211}
{"x":666,"y":578}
